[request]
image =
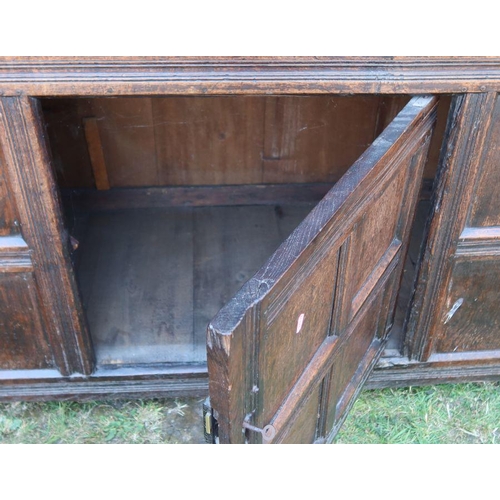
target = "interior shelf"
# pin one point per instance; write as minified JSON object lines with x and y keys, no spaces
{"x":152,"y":279}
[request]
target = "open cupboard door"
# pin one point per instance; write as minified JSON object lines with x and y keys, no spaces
{"x":290,"y":352}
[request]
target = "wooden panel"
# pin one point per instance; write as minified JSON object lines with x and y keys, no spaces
{"x":303,"y":430}
{"x":23,"y":345}
{"x":471,"y":316}
{"x":348,"y":359}
{"x":466,"y":320}
{"x":202,"y":141}
{"x":8,"y":213}
{"x":315,"y":139}
{"x":272,"y":345}
{"x":30,"y":173}
{"x":91,"y":200}
{"x":192,"y":141}
{"x":373,"y":238}
{"x":296,"y":320}
{"x":466,"y":140}
{"x":486,"y":204}
{"x":127,"y":133}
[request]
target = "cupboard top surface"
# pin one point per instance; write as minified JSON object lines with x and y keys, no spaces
{"x":43,"y":76}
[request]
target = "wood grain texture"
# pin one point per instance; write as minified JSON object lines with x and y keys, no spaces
{"x":91,"y":200}
{"x":466,"y":137}
{"x":127,"y":132}
{"x":96,"y":154}
{"x":196,"y":141}
{"x":23,"y":344}
{"x":136,"y":279}
{"x":253,"y":366}
{"x":245,"y":75}
{"x":470,"y":319}
{"x":316,"y":138}
{"x":479,"y":241}
{"x":485,"y":206}
{"x":26,"y":158}
{"x":205,"y":141}
{"x":152,"y":279}
{"x":9,"y":219}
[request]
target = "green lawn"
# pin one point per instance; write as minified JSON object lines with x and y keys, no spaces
{"x":463,"y":413}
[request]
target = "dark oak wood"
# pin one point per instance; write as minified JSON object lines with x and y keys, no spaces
{"x":9,"y":219}
{"x":466,"y":143}
{"x":246,"y":75}
{"x":23,"y":344}
{"x":324,"y":300}
{"x":28,"y":165}
{"x":148,"y":135}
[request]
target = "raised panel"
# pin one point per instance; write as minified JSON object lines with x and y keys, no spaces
{"x":23,"y":345}
{"x":295,"y":325}
{"x":303,"y":430}
{"x":470,"y":320}
{"x":462,"y":199}
{"x":8,"y":212}
{"x":349,"y":357}
{"x":486,"y":203}
{"x":374,"y":242}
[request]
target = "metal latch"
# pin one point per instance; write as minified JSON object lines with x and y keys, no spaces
{"x":268,"y":432}
{"x":210,"y":426}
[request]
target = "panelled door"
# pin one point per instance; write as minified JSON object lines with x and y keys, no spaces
{"x":289,"y":353}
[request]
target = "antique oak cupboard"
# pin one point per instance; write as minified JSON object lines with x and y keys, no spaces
{"x":278,"y":231}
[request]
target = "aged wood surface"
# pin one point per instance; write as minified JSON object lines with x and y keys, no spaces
{"x":457,"y":251}
{"x":468,"y":141}
{"x":193,"y":141}
{"x":9,"y":219}
{"x":152,"y":279}
{"x":28,"y":165}
{"x":91,"y":200}
{"x":23,"y":344}
{"x":484,"y":210}
{"x":221,"y":75}
{"x":96,"y":154}
{"x":267,"y":348}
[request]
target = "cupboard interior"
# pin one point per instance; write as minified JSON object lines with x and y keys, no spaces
{"x":172,"y":203}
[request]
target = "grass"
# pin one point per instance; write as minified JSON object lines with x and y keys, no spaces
{"x":462,"y":413}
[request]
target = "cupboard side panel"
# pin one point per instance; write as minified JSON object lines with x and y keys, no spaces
{"x":455,"y":314}
{"x":23,"y":140}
